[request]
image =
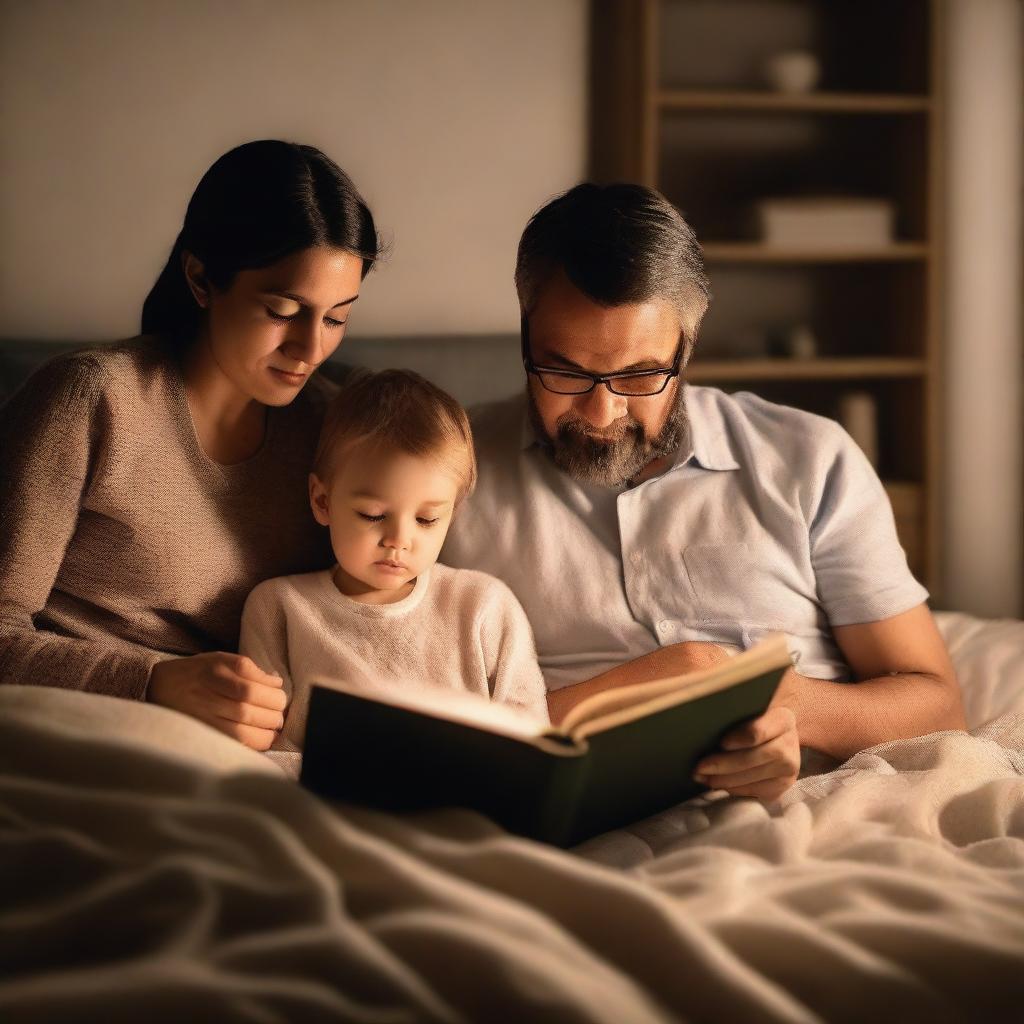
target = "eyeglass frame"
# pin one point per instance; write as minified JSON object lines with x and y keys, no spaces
{"x":531,"y":367}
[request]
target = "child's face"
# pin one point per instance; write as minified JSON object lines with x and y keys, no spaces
{"x":388,"y":514}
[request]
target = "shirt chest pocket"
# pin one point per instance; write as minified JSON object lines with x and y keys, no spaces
{"x":728,"y":584}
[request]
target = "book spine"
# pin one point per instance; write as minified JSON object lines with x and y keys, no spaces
{"x":558,"y":813}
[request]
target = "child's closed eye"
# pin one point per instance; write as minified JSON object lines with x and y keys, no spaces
{"x":426,"y":522}
{"x":369,"y":518}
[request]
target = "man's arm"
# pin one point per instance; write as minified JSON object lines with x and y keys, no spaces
{"x":760,"y":758}
{"x":676,"y":659}
{"x":905,"y":687}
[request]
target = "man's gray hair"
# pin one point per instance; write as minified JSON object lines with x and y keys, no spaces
{"x":618,"y":244}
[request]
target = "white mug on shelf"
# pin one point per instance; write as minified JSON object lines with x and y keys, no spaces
{"x":792,"y":71}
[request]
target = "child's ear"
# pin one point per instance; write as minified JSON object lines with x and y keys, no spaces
{"x":195,"y":277}
{"x":318,"y":500}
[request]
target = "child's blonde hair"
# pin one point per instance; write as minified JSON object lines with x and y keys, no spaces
{"x":397,"y":410}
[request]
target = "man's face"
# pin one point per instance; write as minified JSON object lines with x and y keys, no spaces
{"x":600,"y":437}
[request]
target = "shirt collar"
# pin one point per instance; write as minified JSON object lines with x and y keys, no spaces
{"x":706,"y":441}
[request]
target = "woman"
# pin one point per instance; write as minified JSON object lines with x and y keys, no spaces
{"x":148,"y":486}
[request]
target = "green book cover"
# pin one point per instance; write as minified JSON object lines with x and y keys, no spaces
{"x":617,"y":757}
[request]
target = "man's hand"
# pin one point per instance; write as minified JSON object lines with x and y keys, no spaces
{"x":228,"y":691}
{"x":760,"y":758}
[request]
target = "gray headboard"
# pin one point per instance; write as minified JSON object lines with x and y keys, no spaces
{"x":473,"y":368}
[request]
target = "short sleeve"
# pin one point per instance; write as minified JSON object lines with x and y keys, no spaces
{"x":860,"y":568}
{"x":510,"y":656}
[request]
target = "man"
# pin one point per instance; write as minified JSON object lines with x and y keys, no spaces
{"x":649,"y":525}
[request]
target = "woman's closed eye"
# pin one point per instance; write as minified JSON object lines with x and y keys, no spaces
{"x":287,"y":318}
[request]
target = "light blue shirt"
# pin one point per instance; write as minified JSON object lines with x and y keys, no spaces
{"x":769,"y":518}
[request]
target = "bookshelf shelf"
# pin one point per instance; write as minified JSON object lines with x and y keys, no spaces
{"x":722,"y":370}
{"x":813,"y":102}
{"x":755,"y":252}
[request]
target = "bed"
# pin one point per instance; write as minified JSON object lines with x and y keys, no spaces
{"x":155,"y":870}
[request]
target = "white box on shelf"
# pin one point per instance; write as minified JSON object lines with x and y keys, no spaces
{"x":825,"y":222}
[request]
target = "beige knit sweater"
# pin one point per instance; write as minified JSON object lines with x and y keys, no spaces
{"x":121,"y":542}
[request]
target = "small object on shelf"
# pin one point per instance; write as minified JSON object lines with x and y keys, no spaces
{"x":858,"y":413}
{"x":742,"y":343}
{"x":792,"y":71}
{"x":847,"y":223}
{"x":798,"y":342}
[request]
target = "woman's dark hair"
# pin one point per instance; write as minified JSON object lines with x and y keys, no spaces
{"x":617,"y":244}
{"x":258,"y":203}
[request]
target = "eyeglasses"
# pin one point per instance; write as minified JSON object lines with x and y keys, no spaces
{"x":630,"y":383}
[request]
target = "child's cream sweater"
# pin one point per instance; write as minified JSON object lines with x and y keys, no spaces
{"x":458,"y":629}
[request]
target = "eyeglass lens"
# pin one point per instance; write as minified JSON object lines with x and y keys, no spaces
{"x":643,"y":385}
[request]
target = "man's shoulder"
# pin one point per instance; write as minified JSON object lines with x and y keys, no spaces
{"x":750,"y":424}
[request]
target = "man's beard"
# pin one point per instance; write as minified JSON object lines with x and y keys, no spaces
{"x":616,"y":456}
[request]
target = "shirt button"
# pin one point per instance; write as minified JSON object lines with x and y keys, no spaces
{"x":666,"y":626}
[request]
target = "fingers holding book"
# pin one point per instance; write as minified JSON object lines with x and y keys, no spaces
{"x":760,"y":758}
{"x":228,"y":691}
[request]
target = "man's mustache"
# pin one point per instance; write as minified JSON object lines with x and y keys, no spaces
{"x":573,"y":428}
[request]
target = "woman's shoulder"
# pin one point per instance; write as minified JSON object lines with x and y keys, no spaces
{"x":100,"y":367}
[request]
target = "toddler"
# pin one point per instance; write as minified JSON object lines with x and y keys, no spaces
{"x":394,"y":461}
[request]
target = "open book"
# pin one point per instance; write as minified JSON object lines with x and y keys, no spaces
{"x":618,"y":756}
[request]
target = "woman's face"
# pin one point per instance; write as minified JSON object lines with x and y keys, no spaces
{"x":271,"y":328}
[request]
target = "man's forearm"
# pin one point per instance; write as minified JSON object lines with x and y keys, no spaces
{"x":840,"y":719}
{"x":676,"y":659}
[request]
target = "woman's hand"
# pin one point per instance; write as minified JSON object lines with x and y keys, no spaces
{"x":760,"y":758}
{"x":228,"y":691}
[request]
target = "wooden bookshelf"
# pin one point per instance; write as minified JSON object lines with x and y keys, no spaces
{"x":678,"y":102}
{"x":756,"y":252}
{"x":713,"y":371}
{"x":822,"y":102}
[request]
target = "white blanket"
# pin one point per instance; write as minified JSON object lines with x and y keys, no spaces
{"x":154,"y":870}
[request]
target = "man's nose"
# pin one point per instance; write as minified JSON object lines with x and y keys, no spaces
{"x":600,"y":408}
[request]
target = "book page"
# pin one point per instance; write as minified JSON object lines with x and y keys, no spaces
{"x":453,"y":705}
{"x":626,"y":703}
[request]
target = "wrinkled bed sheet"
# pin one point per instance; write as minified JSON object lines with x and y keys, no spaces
{"x":154,"y":870}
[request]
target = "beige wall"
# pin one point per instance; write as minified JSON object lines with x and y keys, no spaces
{"x":456,"y":118}
{"x":984,"y":372}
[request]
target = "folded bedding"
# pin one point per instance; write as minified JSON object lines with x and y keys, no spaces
{"x":154,"y":869}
